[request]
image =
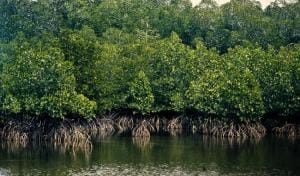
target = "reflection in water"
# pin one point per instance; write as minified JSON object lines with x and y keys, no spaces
{"x":156,"y":156}
{"x":15,"y":147}
{"x":141,"y":142}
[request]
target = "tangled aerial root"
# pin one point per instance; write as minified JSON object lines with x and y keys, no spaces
{"x":17,"y":132}
{"x":157,"y":123}
{"x":75,"y":136}
{"x":290,"y":130}
{"x":124,"y":124}
{"x":80,"y":132}
{"x":76,"y":133}
{"x":224,"y":129}
{"x":101,"y":127}
{"x":175,"y":126}
{"x":143,"y":129}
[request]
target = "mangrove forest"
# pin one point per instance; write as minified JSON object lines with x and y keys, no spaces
{"x":76,"y":70}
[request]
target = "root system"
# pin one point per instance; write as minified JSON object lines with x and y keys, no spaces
{"x":143,"y":129}
{"x":231,"y":129}
{"x":80,"y":132}
{"x":290,"y":130}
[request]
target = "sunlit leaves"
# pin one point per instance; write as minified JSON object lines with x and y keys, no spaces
{"x":38,"y":80}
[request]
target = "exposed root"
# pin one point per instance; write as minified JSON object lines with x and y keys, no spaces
{"x":23,"y":131}
{"x":290,"y":130}
{"x":124,"y":124}
{"x":103,"y":127}
{"x":143,"y":129}
{"x":80,"y":132}
{"x":156,"y":123}
{"x":255,"y":130}
{"x":74,"y":136}
{"x":16,"y":131}
{"x":175,"y":126}
{"x":223,"y":129}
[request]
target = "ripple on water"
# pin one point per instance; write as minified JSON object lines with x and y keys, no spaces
{"x":4,"y":172}
{"x":162,"y":170}
{"x":142,"y":170}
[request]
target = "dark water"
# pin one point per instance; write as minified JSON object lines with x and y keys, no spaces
{"x":159,"y":156}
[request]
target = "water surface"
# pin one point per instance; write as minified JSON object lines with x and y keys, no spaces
{"x":159,"y":156}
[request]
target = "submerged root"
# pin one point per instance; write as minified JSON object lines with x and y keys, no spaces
{"x":143,"y":129}
{"x":141,"y":142}
{"x":13,"y":147}
{"x":64,"y":147}
{"x":290,"y":130}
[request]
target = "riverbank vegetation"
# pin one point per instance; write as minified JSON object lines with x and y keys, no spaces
{"x":162,"y":66}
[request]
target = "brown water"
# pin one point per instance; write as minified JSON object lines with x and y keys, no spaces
{"x":159,"y":156}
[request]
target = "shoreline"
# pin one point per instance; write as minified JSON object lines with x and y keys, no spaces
{"x":78,"y":132}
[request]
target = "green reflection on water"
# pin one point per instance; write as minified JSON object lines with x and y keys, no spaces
{"x":159,"y":155}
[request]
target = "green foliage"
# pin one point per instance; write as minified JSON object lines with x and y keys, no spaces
{"x":227,"y":93}
{"x":79,"y":48}
{"x":140,"y":94}
{"x":169,"y":74}
{"x":276,"y":72}
{"x":64,"y":58}
{"x":128,"y":15}
{"x":107,"y":78}
{"x":10,"y":104}
{"x":78,"y":12}
{"x":38,"y":80}
{"x":30,"y":17}
{"x":64,"y":103}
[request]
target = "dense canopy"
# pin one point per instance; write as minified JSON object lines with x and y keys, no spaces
{"x":82,"y":58}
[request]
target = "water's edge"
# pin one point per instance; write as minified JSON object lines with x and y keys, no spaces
{"x":77,"y":132}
